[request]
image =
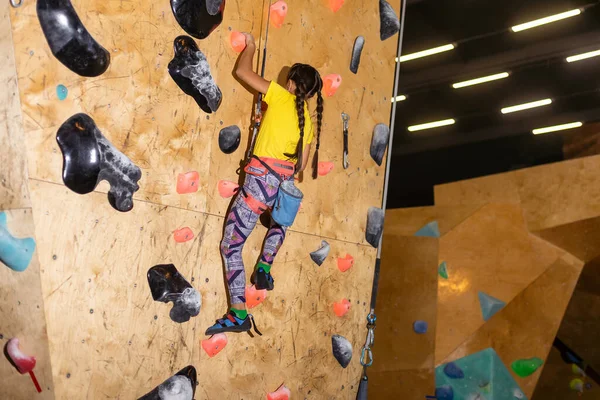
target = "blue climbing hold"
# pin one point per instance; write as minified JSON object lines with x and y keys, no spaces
{"x":429,"y":230}
{"x":62,"y":92}
{"x":420,"y":327}
{"x":15,"y":253}
{"x":453,"y":371}
{"x":489,"y":305}
{"x":444,"y":392}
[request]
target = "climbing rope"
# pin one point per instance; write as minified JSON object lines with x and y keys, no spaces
{"x":366,"y":356}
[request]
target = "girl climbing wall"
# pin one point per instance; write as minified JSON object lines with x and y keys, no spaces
{"x":282,"y":149}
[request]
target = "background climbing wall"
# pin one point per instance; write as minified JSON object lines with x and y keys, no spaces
{"x":21,"y":301}
{"x":107,"y":337}
{"x":522,"y":237}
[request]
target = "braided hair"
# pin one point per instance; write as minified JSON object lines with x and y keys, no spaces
{"x":308,"y":84}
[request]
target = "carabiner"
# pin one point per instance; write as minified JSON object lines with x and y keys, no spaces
{"x":16,"y":3}
{"x":369,"y":354}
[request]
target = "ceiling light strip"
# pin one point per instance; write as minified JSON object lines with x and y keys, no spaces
{"x":546,"y":20}
{"x":430,"y":125}
{"x":583,"y":56}
{"x":526,"y":106}
{"x":425,"y":53}
{"x":556,"y":128}
{"x":478,"y":81}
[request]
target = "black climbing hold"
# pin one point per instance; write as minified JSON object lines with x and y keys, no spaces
{"x":181,"y":386}
{"x":379,"y":142}
{"x":389,"y":23}
{"x":319,"y":256}
{"x":229,"y":139}
{"x":68,"y":39}
{"x":88,"y":158}
{"x":356,"y":52}
{"x":198,"y":17}
{"x":167,"y":284}
{"x":190,"y":70}
{"x":342,"y":350}
{"x":374,"y":230}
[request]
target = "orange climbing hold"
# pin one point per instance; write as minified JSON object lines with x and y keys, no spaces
{"x":278,"y":12}
{"x":335,"y":5}
{"x":325,"y":167}
{"x":183,"y":235}
{"x":188,"y":182}
{"x":341,"y":308}
{"x":331,"y":83}
{"x":282,"y":393}
{"x":213,"y":345}
{"x":238,"y":41}
{"x":227,"y":188}
{"x":345,"y":263}
{"x":254,"y":296}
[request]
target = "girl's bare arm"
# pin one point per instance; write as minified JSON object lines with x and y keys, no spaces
{"x":244,"y":70}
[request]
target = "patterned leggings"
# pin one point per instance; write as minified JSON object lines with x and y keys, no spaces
{"x":239,"y":224}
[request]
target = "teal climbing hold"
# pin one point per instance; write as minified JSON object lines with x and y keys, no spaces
{"x":62,"y":92}
{"x":14,"y":253}
{"x":429,"y":230}
{"x":489,"y":305}
{"x":443,"y":270}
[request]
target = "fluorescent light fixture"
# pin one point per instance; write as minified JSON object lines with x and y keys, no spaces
{"x":583,"y":56}
{"x":477,"y":81}
{"x":546,"y":20}
{"x":555,"y":128}
{"x":526,"y":106}
{"x":399,"y":98}
{"x":425,"y":53}
{"x":429,"y":125}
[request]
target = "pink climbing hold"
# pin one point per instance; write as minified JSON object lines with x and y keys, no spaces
{"x":335,"y":5}
{"x":237,"y":41}
{"x":278,"y":12}
{"x":345,"y":263}
{"x":254,"y":296}
{"x":24,"y":363}
{"x":227,"y":188}
{"x":183,"y":235}
{"x":331,"y":83}
{"x":341,"y":308}
{"x":188,"y":182}
{"x":213,"y":345}
{"x":324,"y":167}
{"x":282,"y":393}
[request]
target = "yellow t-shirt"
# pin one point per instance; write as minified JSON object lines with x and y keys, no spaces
{"x":279,"y":132}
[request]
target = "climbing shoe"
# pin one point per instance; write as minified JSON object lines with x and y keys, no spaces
{"x":263,"y":279}
{"x":231,"y":323}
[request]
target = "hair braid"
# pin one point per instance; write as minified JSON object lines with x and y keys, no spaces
{"x":300,"y":96}
{"x":319,"y":124}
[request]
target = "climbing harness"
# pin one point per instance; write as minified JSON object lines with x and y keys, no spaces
{"x":258,"y":106}
{"x":366,"y":356}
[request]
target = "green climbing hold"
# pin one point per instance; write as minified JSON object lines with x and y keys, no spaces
{"x":443,"y":270}
{"x":526,"y":367}
{"x":576,"y":385}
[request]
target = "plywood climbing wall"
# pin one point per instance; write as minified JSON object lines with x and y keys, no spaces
{"x":107,"y":337}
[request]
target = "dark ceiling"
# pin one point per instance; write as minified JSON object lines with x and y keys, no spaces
{"x":483,"y":140}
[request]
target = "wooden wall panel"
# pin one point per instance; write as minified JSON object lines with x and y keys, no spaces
{"x":139,"y":108}
{"x":109,"y":337}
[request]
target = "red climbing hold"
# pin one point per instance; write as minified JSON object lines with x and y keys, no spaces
{"x":213,"y":345}
{"x":325,"y":167}
{"x":282,"y":393}
{"x":331,"y":83}
{"x":345,"y":263}
{"x":278,"y":12}
{"x":24,"y":363}
{"x":188,"y":182}
{"x":335,"y":5}
{"x":254,"y":296}
{"x":341,"y":308}
{"x":238,"y":41}
{"x":227,"y":188}
{"x":183,"y":235}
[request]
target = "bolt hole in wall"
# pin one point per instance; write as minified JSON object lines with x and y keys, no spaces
{"x":502,"y":87}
